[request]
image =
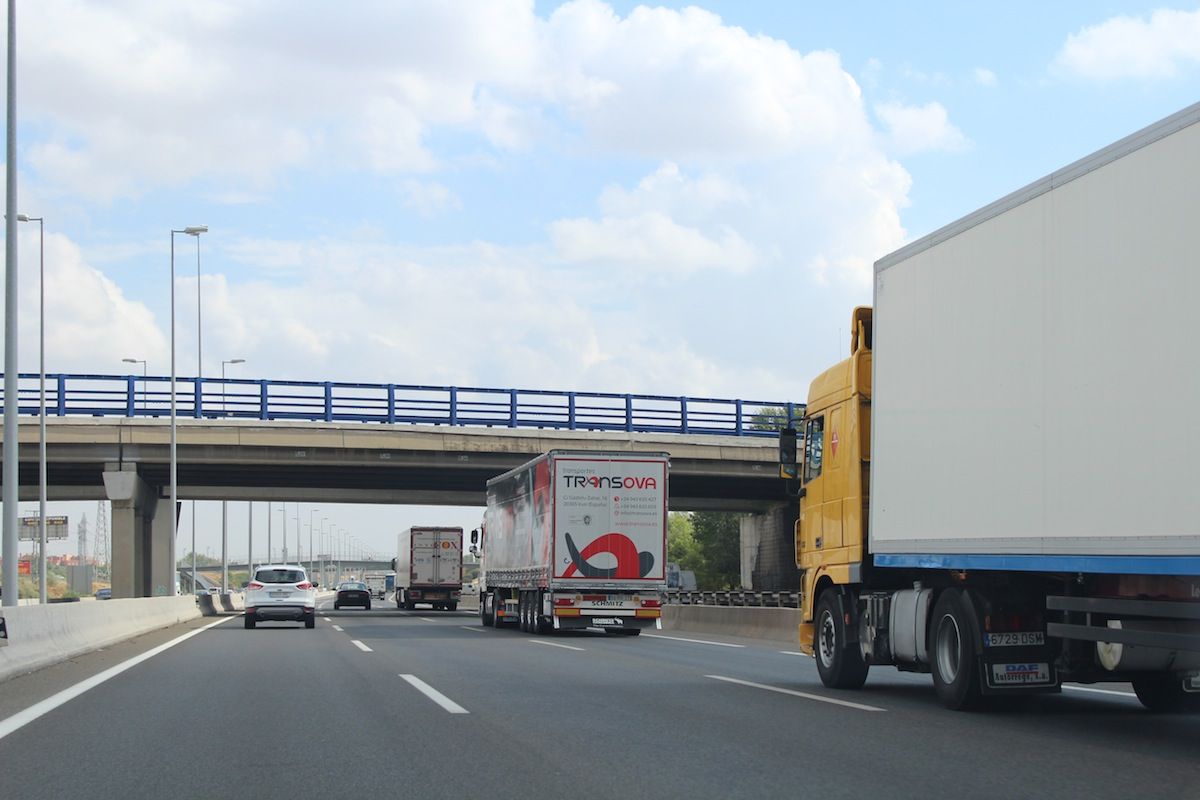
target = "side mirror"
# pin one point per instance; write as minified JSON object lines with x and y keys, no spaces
{"x":475,"y":536}
{"x":788,"y":468}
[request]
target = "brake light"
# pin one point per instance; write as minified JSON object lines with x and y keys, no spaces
{"x":651,"y":603}
{"x":305,"y":586}
{"x":255,"y":585}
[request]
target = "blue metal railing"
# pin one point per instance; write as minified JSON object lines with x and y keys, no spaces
{"x":335,"y":401}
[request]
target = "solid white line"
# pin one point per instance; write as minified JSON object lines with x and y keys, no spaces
{"x":471,"y":629}
{"x":426,"y":619}
{"x":791,"y":653}
{"x":794,"y":693}
{"x":338,"y":628}
{"x":696,"y":641}
{"x":361,"y":646}
{"x":23,"y":718}
{"x":434,"y":695}
{"x":1099,"y":691}
{"x":554,"y":644}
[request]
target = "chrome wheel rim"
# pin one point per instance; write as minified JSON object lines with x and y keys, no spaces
{"x":827,"y":639}
{"x":949,"y":648}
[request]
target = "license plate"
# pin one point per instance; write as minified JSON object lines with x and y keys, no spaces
{"x":1019,"y":674}
{"x":280,"y":594}
{"x":607,"y":621}
{"x":1014,"y":639}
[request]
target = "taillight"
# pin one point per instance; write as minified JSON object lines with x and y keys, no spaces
{"x":651,"y":603}
{"x":255,"y":585}
{"x":563,"y":601}
{"x":305,"y":586}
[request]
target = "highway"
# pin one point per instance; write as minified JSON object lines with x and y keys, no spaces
{"x":430,"y":704}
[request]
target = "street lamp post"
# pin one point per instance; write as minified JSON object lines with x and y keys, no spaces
{"x":311,"y":511}
{"x":41,"y":402}
{"x":224,"y":503}
{"x":194,"y":230}
{"x":143,"y":363}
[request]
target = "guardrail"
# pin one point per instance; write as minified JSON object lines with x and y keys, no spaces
{"x":334,"y":401}
{"x":734,"y":598}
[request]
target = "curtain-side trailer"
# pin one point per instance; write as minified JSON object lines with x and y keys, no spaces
{"x":999,"y":485}
{"x":575,"y":540}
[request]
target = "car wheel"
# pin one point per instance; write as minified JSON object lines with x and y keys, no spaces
{"x":249,"y":621}
{"x":310,"y":621}
{"x":337,"y":607}
{"x":368,"y":607}
{"x":839,"y":662}
{"x":952,"y":653}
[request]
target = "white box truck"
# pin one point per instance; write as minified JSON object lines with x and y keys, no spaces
{"x":575,"y":540}
{"x":428,"y":567}
{"x":999,"y":485}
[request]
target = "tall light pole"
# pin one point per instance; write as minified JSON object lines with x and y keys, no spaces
{"x":250,"y":540}
{"x":194,"y":230}
{"x":270,"y":555}
{"x":41,"y":402}
{"x":224,"y":503}
{"x":143,"y":363}
{"x":311,"y":511}
{"x":11,"y":548}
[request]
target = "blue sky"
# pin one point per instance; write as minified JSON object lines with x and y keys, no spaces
{"x":678,"y":199}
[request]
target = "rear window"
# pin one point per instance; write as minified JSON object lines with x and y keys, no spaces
{"x":355,"y":586}
{"x":279,"y":576}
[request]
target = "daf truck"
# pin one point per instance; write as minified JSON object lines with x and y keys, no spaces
{"x":428,"y":567}
{"x":999,"y":485}
{"x":575,"y":540}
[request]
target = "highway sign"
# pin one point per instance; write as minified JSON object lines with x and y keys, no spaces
{"x":56,"y":528}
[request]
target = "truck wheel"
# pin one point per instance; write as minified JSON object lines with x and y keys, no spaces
{"x":839,"y":662}
{"x":952,"y":652}
{"x":452,"y":606}
{"x":485,"y":619}
{"x":497,"y":604}
{"x":524,"y":605}
{"x":541,"y":626}
{"x":1164,"y":694}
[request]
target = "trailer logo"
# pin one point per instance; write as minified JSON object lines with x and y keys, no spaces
{"x":614,"y":482}
{"x":630,"y":563}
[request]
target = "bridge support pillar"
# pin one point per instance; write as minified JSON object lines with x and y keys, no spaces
{"x":769,"y":551}
{"x":143,"y":552}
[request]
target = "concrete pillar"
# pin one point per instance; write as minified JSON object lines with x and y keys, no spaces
{"x":769,"y":550}
{"x":750,"y":527}
{"x":134,"y":503}
{"x":160,"y":554}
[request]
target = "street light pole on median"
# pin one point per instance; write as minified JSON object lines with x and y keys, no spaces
{"x":41,"y":402}
{"x":194,"y":230}
{"x":11,"y":544}
{"x":224,"y":503}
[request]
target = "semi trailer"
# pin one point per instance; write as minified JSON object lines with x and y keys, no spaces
{"x":428,"y":567}
{"x":998,"y":486}
{"x":575,"y":540}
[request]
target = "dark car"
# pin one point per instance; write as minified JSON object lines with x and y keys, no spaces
{"x":104,"y":594}
{"x":352,"y":593}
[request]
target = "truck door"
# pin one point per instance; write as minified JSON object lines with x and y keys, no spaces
{"x":833,"y":480}
{"x":811,"y":536}
{"x":424,"y":565}
{"x":447,"y":560}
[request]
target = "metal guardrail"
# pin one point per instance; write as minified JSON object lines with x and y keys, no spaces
{"x":734,"y":598}
{"x":334,"y":401}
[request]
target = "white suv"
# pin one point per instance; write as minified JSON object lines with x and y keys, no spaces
{"x":281,"y":592}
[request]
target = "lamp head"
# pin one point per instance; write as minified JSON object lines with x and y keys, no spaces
{"x":195,"y":230}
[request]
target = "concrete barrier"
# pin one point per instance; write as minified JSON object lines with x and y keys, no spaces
{"x":775,"y":624}
{"x":39,"y":636}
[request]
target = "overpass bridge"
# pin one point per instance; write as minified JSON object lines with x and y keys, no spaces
{"x":237,"y":439}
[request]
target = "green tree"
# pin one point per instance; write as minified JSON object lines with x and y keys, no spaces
{"x":773,"y":418}
{"x":682,"y":547}
{"x":718,"y":536}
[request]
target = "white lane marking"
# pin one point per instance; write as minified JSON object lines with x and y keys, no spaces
{"x":1099,"y":691}
{"x":794,"y":693}
{"x":338,"y":628}
{"x":554,"y":644}
{"x":696,"y":641}
{"x":361,"y":646}
{"x":471,"y":629}
{"x":426,"y":619}
{"x":791,"y":653}
{"x":23,"y":718}
{"x":434,"y":695}
{"x":325,"y":618}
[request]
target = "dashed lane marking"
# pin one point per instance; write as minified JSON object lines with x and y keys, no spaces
{"x":554,"y":644}
{"x":694,"y":641}
{"x":471,"y":629}
{"x":794,"y":693}
{"x":361,"y":646}
{"x":434,"y":695}
{"x":338,"y":628}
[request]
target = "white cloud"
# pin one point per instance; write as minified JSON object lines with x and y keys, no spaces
{"x":1134,"y":47}
{"x":917,"y":129}
{"x":90,"y":323}
{"x":652,"y":242}
{"x":984,"y":76}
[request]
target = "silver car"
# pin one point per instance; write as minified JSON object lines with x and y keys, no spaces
{"x":281,"y":592}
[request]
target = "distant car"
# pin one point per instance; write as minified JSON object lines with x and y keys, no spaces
{"x":352,"y":593}
{"x":214,"y":590}
{"x":104,"y":594}
{"x":281,"y":592}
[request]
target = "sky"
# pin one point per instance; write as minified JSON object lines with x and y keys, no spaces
{"x":681,"y":199}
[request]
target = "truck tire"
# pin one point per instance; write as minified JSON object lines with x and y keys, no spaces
{"x":541,"y":625}
{"x":485,"y":619}
{"x":839,"y":661}
{"x":1164,"y":694}
{"x":952,"y":652}
{"x":452,"y":606}
{"x":497,"y":604}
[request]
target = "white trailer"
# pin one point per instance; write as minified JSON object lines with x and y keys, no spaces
{"x":428,"y":567}
{"x":576,"y":540}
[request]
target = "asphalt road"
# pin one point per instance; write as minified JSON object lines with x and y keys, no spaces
{"x":430,"y":704}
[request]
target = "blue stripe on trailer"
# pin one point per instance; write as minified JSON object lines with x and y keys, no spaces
{"x":1127,"y":565}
